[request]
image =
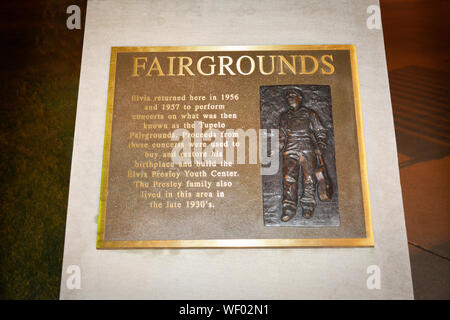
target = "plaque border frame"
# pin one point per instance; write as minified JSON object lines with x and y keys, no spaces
{"x":367,"y":241}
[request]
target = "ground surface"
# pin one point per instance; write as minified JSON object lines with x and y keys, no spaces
{"x":40,"y":66}
{"x":418,"y":58}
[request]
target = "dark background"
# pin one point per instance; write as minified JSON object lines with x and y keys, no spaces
{"x":40,"y":65}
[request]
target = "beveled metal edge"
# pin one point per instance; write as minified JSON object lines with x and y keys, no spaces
{"x":362,"y":147}
{"x":236,"y":243}
{"x":232,"y":48}
{"x":106,"y":149}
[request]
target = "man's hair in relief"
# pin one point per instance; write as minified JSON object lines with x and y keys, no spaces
{"x":293,"y":91}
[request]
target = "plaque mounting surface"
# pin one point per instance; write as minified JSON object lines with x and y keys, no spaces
{"x":147,"y":201}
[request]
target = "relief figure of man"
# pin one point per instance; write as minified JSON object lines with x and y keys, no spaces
{"x":302,"y":141}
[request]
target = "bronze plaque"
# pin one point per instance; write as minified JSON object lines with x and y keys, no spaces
{"x":255,"y":146}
